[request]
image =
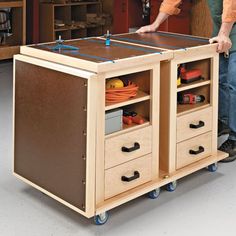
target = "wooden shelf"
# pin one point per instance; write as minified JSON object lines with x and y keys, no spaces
{"x":11,"y":4}
{"x":140,"y":97}
{"x":195,"y":84}
{"x":75,"y":28}
{"x":72,"y":3}
{"x":128,"y":128}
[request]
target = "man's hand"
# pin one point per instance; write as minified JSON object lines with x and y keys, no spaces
{"x":224,"y":43}
{"x":155,"y":25}
{"x":147,"y":29}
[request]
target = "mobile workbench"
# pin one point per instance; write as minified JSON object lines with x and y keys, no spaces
{"x":60,"y":145}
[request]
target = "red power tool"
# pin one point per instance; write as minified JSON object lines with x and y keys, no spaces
{"x":190,"y":98}
{"x":189,"y":76}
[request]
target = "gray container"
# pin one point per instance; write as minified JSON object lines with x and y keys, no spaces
{"x":113,"y":121}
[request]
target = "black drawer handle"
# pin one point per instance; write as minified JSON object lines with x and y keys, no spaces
{"x":200,"y":150}
{"x":134,"y":148}
{"x":129,"y":179}
{"x":200,"y":124}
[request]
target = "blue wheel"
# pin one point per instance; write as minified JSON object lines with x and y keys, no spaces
{"x":101,"y":219}
{"x":213,"y":167}
{"x":171,"y":186}
{"x":154,"y":193}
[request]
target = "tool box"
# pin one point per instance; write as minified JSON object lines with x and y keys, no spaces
{"x":113,"y":121}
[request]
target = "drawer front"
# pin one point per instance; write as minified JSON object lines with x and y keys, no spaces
{"x":127,"y":176}
{"x":193,"y":150}
{"x":194,"y":124}
{"x":126,"y":147}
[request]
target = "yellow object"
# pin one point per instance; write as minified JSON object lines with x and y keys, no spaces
{"x":179,"y":81}
{"x":114,"y":83}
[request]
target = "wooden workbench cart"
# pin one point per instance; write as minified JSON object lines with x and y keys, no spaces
{"x":59,"y":111}
{"x":60,"y":143}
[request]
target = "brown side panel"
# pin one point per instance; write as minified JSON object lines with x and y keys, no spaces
{"x":50,"y":131}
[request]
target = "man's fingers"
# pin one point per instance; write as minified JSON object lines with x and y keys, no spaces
{"x":213,"y":40}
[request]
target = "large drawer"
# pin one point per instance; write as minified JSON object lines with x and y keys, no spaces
{"x":194,"y":124}
{"x":126,"y":147}
{"x":193,"y":150}
{"x":127,"y":176}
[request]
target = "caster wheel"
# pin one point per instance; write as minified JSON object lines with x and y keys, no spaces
{"x":171,"y":186}
{"x":154,"y":194}
{"x":101,"y":219}
{"x":213,"y":167}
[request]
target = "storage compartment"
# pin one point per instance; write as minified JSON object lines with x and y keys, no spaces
{"x":193,"y":150}
{"x":196,"y":70}
{"x":194,"y":124}
{"x":127,"y":176}
{"x":140,"y":79}
{"x":63,"y":14}
{"x":125,"y":147}
{"x":78,"y":13}
{"x":199,"y":91}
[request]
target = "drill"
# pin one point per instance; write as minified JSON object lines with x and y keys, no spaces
{"x":190,"y":98}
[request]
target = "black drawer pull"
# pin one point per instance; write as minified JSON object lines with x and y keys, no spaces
{"x":129,"y":179}
{"x":134,"y":148}
{"x":200,"y":124}
{"x":200,"y":150}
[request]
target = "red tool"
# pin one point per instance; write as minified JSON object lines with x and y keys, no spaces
{"x":189,"y":76}
{"x":190,"y":98}
{"x":132,"y":117}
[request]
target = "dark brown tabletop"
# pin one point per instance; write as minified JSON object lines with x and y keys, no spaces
{"x":163,"y":40}
{"x":95,"y":50}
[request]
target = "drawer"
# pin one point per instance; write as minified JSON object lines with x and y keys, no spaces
{"x":129,"y":146}
{"x":127,"y":176}
{"x":194,"y":124}
{"x":193,"y":150}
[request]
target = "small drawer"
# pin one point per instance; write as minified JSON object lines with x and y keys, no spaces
{"x":127,"y":176}
{"x":193,"y":150}
{"x":129,"y":146}
{"x":194,"y":124}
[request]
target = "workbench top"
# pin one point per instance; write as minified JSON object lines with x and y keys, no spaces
{"x":95,"y":56}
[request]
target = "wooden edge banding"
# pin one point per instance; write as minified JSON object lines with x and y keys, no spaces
{"x":145,"y":188}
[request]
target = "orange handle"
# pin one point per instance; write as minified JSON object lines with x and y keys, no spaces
{"x":127,"y":120}
{"x":137,"y":120}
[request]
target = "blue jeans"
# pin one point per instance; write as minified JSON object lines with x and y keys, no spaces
{"x":227,"y":93}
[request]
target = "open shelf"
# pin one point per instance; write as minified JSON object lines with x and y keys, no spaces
{"x":141,"y":96}
{"x":204,"y":66}
{"x":203,"y":90}
{"x":11,"y":4}
{"x":142,"y":109}
{"x":74,"y":16}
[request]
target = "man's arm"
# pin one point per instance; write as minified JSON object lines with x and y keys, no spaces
{"x":168,"y":7}
{"x":228,"y":20}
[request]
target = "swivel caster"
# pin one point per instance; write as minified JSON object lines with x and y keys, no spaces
{"x":213,"y":167}
{"x":171,"y":186}
{"x":101,"y":219}
{"x":154,"y":193}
